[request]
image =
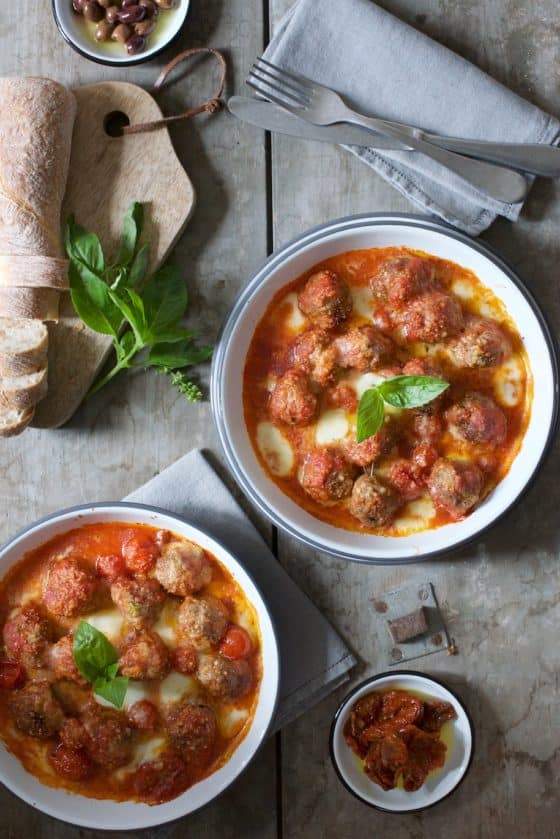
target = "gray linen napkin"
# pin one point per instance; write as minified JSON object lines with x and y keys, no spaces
{"x":385,"y":68}
{"x":313,"y":659}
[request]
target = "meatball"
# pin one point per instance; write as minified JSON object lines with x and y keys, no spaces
{"x":430,"y":318}
{"x":139,"y":551}
{"x":161,"y":779}
{"x":326,"y":476}
{"x":109,"y":740}
{"x":370,"y":449}
{"x":325,"y":299}
{"x":26,"y":636}
{"x":191,"y":728}
{"x":73,"y":734}
{"x":68,"y":588}
{"x":292,"y":401}
{"x":185,"y":659}
{"x":110,"y":566}
{"x":477,"y":419}
{"x":143,"y":715}
{"x":203,"y":620}
{"x":183,"y":568}
{"x":424,"y":455}
{"x":61,"y":660}
{"x":407,"y":479}
{"x":313,"y":353}
{"x":144,"y":657}
{"x":455,"y":486}
{"x":372,"y":502}
{"x":428,"y":428}
{"x":400,"y":278}
{"x":422,"y":367}
{"x":35,"y":710}
{"x":72,"y":764}
{"x":73,"y":697}
{"x":140,"y":601}
{"x":482,"y":343}
{"x":363,"y":348}
{"x":224,"y":678}
{"x":343,"y":396}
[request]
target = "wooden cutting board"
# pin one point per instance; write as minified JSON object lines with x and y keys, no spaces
{"x":106,"y":175}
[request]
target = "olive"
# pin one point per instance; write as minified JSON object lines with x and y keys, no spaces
{"x":165,"y":4}
{"x":145,"y":27}
{"x":121,"y":33}
{"x":132,"y":14}
{"x":103,"y":31}
{"x":78,"y":6}
{"x":93,"y":11}
{"x":106,"y":3}
{"x":112,"y":15}
{"x":151,"y":9}
{"x":126,"y":3}
{"x":135,"y":44}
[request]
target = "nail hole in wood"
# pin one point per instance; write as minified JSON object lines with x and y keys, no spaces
{"x":115,"y":122}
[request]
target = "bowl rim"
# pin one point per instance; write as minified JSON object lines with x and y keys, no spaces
{"x":108,"y":62}
{"x":106,"y":506}
{"x":311,"y":236}
{"x":369,"y":681}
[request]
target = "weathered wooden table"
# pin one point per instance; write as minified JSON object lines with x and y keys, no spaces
{"x":500,"y":596}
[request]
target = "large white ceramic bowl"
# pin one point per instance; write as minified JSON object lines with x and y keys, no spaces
{"x":71,"y":27}
{"x":112,"y":815}
{"x":438,"y":784}
{"x":369,"y":231}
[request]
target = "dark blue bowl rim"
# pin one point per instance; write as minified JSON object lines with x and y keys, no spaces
{"x":310,"y":236}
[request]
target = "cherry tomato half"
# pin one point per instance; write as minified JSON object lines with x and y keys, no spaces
{"x":73,"y":764}
{"x":12,"y":675}
{"x":236,"y":643}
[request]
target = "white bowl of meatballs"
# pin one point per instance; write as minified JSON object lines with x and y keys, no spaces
{"x":139,"y":667}
{"x":385,"y":388}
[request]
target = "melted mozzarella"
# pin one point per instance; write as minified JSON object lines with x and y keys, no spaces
{"x":175,"y":687}
{"x":143,"y":753}
{"x":362,"y":301}
{"x":463,"y":289}
{"x":508,"y":381}
{"x":367,"y":380}
{"x":295,"y":319}
{"x":109,"y":622}
{"x":231,"y":722}
{"x":166,"y":626}
{"x":245,"y":617}
{"x":332,"y":426}
{"x":135,"y":692}
{"x":275,"y":449}
{"x":416,"y":515}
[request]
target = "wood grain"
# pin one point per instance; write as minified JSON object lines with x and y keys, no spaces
{"x":106,"y":175}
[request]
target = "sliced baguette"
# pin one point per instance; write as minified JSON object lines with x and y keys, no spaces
{"x":27,"y":271}
{"x":23,"y":391}
{"x":34,"y":303}
{"x":14,"y":421}
{"x":23,"y":346}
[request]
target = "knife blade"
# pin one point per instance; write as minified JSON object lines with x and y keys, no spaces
{"x":273,"y":118}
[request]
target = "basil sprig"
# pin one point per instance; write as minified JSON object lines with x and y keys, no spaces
{"x":98,"y":662}
{"x":107,"y":296}
{"x":398,"y":391}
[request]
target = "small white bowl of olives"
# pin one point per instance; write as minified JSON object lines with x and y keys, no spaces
{"x":119,"y":32}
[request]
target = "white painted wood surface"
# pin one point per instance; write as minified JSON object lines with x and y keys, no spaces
{"x":500,"y":597}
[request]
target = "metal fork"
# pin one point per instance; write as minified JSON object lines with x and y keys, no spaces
{"x":320,"y":105}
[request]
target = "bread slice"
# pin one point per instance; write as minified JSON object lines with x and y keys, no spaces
{"x":34,"y":303}
{"x":25,"y":271}
{"x":23,"y":346}
{"x":13,"y":421}
{"x":23,"y":391}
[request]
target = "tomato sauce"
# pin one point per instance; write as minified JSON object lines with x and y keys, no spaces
{"x":268,"y":359}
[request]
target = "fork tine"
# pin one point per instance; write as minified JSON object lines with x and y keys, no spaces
{"x":303,"y":81}
{"x":272,"y":97}
{"x":301,"y":93}
{"x":265,"y":86}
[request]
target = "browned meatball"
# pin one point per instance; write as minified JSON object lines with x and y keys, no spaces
{"x":73,"y":734}
{"x":370,"y":449}
{"x":372,"y":502}
{"x":73,"y":697}
{"x":191,"y":727}
{"x":433,"y":317}
{"x":400,"y":278}
{"x":422,"y":367}
{"x":362,"y":348}
{"x":455,"y":486}
{"x":203,"y":620}
{"x":325,"y":299}
{"x":292,"y":401}
{"x":61,"y":660}
{"x":482,"y":343}
{"x":477,"y":419}
{"x":139,"y":601}
{"x":109,"y":739}
{"x":312,"y":353}
{"x":183,"y":567}
{"x":68,"y":588}
{"x":326,"y":476}
{"x":35,"y":710}
{"x":26,"y":636}
{"x":144,"y":657}
{"x":224,"y":678}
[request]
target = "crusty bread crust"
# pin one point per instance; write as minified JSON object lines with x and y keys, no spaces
{"x":23,"y":391}
{"x":35,"y":303}
{"x":14,"y":421}
{"x":34,"y":272}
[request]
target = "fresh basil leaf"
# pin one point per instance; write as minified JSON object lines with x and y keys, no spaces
{"x":131,"y":311}
{"x":91,"y":300}
{"x":411,"y":391}
{"x":112,"y":670}
{"x":93,"y":652}
{"x":125,"y":345}
{"x":83,"y":246}
{"x":165,"y":300}
{"x":112,"y":689}
{"x":139,"y":266}
{"x":176,"y":356}
{"x":173,"y":336}
{"x":132,"y":229}
{"x":370,"y":414}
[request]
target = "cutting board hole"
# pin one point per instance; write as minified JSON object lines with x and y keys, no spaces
{"x":115,"y":122}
